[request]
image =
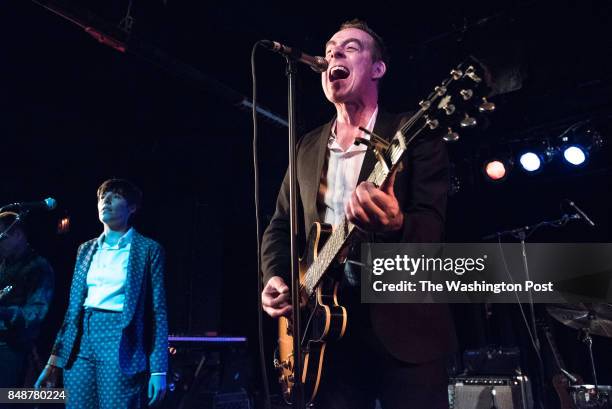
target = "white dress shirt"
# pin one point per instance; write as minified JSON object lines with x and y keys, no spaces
{"x":343,"y":168}
{"x":107,"y":274}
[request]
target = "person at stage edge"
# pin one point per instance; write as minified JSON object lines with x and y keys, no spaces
{"x":24,"y":307}
{"x":396,"y":353}
{"x":114,"y":338}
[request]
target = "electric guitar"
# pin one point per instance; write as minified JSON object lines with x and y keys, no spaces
{"x":457,"y":102}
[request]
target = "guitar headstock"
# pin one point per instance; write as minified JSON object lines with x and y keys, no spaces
{"x":459,"y":102}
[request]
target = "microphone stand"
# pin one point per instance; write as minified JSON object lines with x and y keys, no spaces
{"x":298,"y":390}
{"x":522,"y":233}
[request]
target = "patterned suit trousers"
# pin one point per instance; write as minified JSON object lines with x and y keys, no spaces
{"x":95,"y":380}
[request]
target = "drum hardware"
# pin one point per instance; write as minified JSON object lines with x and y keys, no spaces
{"x":588,"y":319}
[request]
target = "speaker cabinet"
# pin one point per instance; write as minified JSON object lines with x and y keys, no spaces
{"x":490,"y":392}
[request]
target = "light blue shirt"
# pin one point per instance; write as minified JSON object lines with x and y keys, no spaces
{"x":107,"y":274}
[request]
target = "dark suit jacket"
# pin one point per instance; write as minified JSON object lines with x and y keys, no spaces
{"x":411,"y":332}
{"x":144,"y":341}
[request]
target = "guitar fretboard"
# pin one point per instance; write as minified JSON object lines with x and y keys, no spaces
{"x":342,"y":233}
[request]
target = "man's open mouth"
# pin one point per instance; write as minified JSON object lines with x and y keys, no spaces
{"x":339,"y":72}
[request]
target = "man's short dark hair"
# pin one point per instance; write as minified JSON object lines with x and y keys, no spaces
{"x":380,"y":51}
{"x":130,"y":192}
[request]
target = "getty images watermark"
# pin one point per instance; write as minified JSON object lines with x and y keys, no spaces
{"x":494,"y":273}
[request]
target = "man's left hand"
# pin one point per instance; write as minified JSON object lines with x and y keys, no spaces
{"x":157,"y":389}
{"x":374,"y":209}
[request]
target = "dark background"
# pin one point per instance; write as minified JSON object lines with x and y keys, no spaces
{"x":166,"y":115}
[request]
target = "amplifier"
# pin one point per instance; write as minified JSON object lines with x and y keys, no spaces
{"x":208,"y":372}
{"x":236,"y":400}
{"x":486,"y":392}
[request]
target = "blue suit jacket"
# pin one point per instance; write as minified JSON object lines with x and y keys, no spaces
{"x":144,"y":340}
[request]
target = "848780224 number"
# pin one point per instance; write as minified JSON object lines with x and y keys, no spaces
{"x":30,"y":395}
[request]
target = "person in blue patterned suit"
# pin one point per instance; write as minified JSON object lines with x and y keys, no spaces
{"x":114,"y":338}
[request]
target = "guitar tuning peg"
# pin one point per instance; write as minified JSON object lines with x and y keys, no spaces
{"x":451,"y":136}
{"x":440,"y":90}
{"x":424,"y":105}
{"x":456,"y":74}
{"x":466,"y":94}
{"x":432,"y":123}
{"x":486,"y":106}
{"x":449,"y":109}
{"x":468,"y":122}
{"x":470,"y":72}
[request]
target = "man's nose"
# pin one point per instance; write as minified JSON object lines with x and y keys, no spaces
{"x":337,"y":52}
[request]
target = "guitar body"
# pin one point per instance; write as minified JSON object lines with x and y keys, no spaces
{"x":323,"y":319}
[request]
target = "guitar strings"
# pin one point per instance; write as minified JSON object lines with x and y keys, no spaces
{"x":320,"y":264}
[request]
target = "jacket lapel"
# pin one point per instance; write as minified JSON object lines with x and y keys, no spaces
{"x":79,"y":292}
{"x":384,"y":128}
{"x":315,"y":177}
{"x":133,"y":281}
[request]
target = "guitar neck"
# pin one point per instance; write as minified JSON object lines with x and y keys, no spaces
{"x":341,"y":235}
{"x":336,"y":242}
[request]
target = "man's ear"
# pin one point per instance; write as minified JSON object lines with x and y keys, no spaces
{"x":132,"y":209}
{"x":378,"y":69}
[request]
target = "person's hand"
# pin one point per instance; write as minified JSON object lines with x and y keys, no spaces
{"x":374,"y":209}
{"x":157,"y":389}
{"x":275,"y":298}
{"x":48,"y":377}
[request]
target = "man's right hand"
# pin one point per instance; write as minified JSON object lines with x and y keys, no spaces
{"x":276,"y":298}
{"x":48,"y":377}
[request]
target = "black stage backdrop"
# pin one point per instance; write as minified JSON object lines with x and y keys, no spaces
{"x":74,"y":112}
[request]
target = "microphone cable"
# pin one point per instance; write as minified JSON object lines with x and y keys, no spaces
{"x":262,"y":357}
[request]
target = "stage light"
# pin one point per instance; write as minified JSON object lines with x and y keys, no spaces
{"x":574,"y":155}
{"x":530,"y":161}
{"x":63,"y":225}
{"x":496,"y":170}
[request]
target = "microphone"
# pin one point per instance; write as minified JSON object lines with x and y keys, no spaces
{"x":47,"y":204}
{"x":580,"y":212}
{"x":318,"y":64}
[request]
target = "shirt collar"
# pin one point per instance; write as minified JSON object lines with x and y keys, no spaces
{"x":123,"y":240}
{"x":370,"y":126}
